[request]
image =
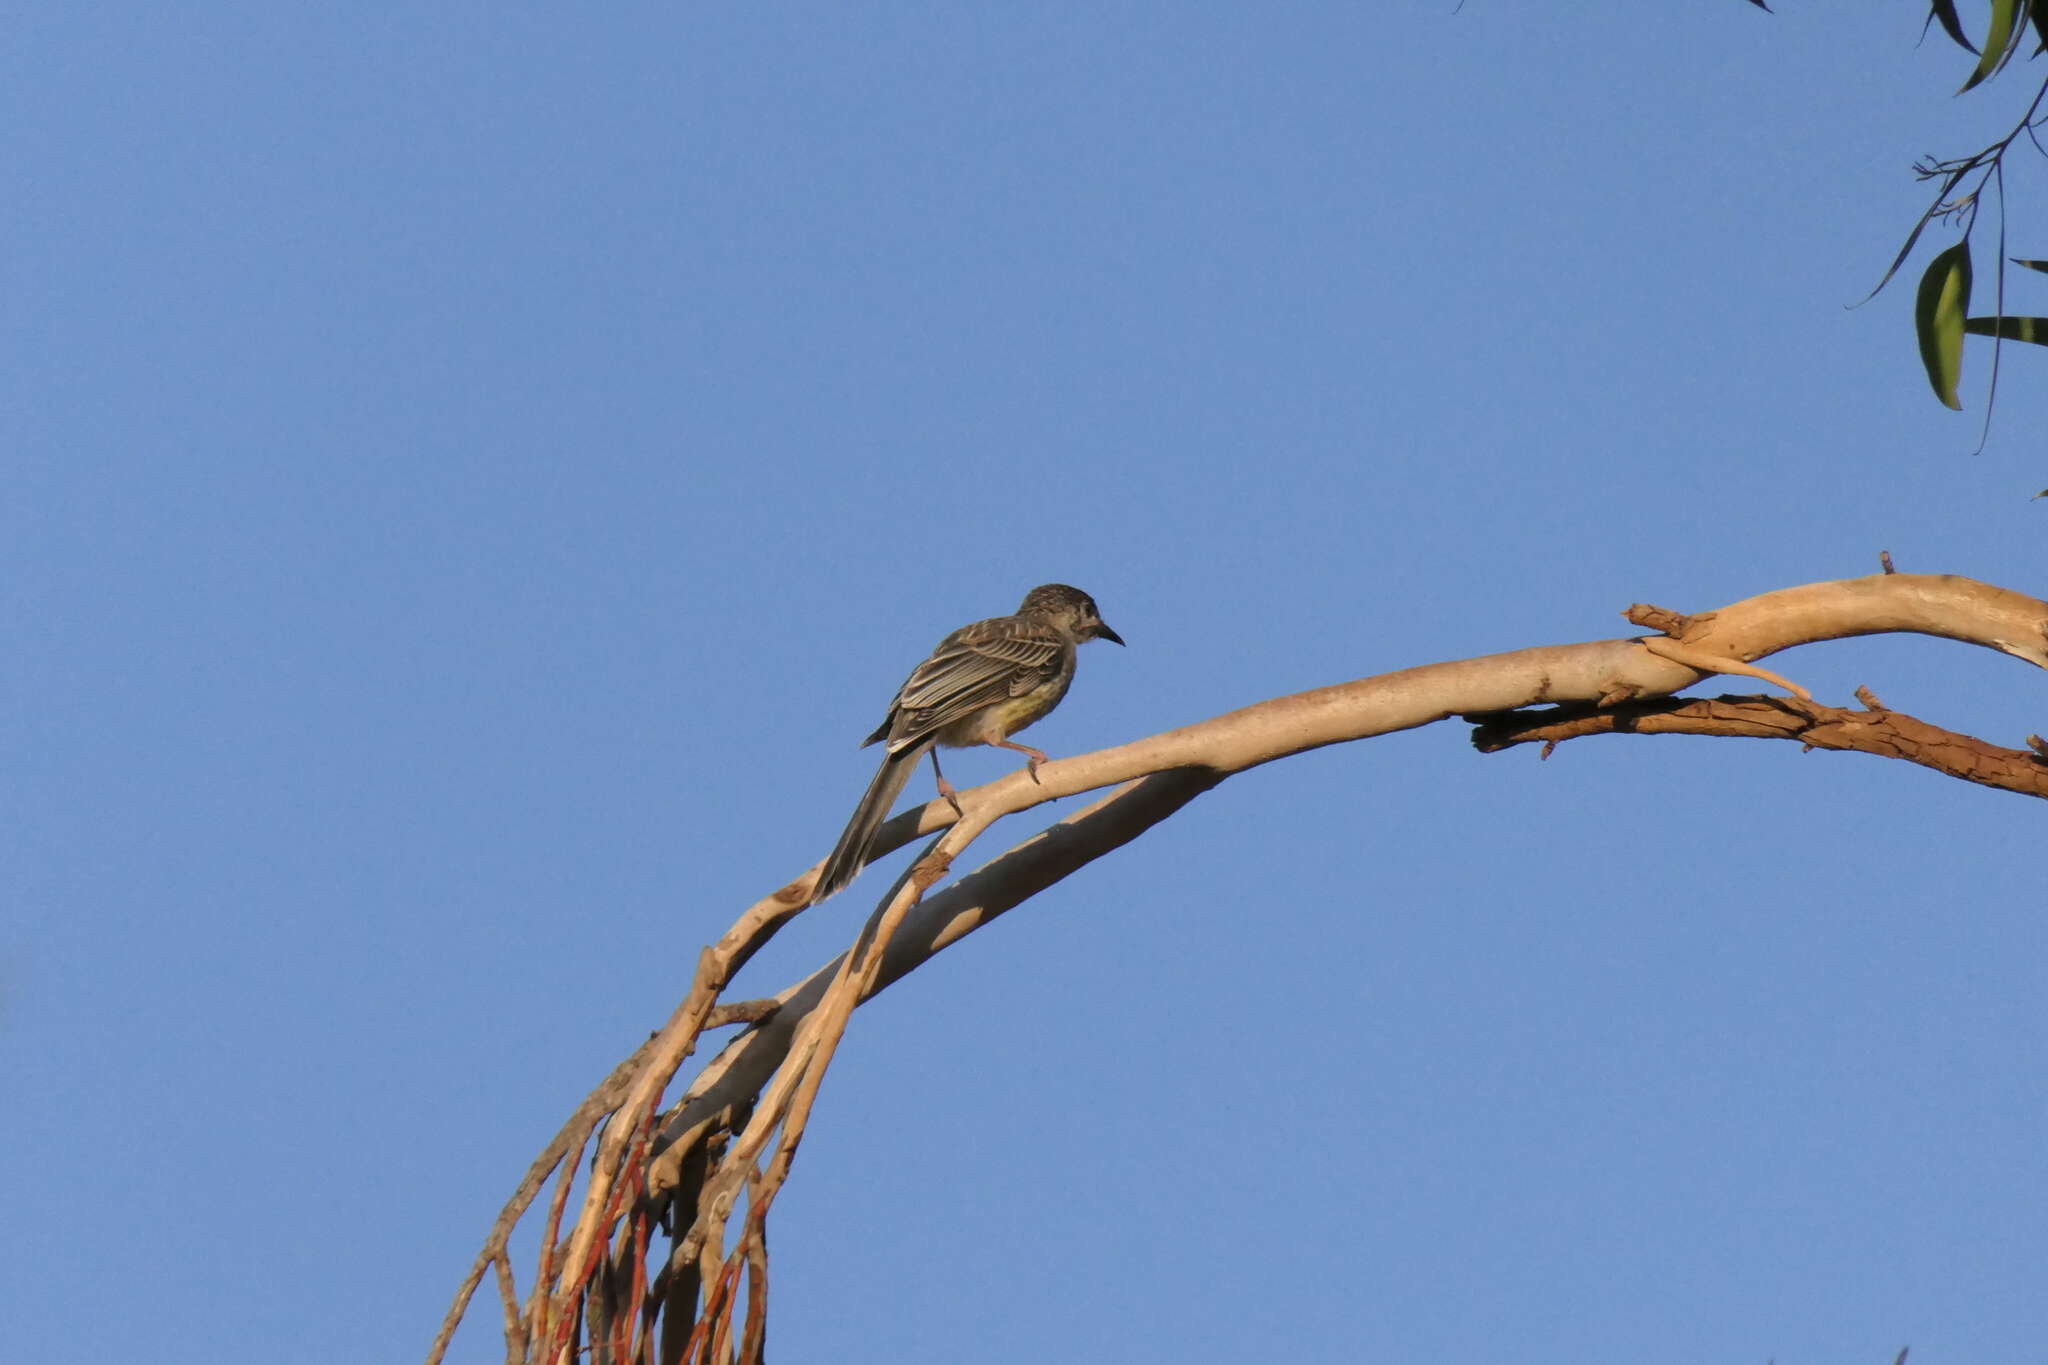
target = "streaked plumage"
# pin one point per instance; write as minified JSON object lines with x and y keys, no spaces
{"x":982,"y":684}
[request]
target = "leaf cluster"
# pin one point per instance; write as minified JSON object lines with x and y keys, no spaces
{"x":1941,"y":306}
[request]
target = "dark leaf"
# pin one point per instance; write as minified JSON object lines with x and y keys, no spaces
{"x":1904,"y":252}
{"x":1945,"y":12}
{"x":2010,"y":328}
{"x":1948,"y":184}
{"x":2041,"y":266}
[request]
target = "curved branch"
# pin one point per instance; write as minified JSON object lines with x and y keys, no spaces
{"x":761,"y":1081}
{"x":1606,"y":671}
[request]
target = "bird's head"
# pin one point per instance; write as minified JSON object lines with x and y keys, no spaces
{"x":1071,"y":608}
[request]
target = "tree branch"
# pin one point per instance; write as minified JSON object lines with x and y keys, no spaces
{"x":686,"y":1172}
{"x":1887,"y":734}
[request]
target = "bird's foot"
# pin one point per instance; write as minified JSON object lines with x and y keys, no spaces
{"x":1032,"y":757}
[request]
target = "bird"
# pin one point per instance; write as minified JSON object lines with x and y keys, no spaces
{"x":982,"y":684}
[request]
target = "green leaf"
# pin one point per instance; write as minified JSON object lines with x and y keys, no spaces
{"x":2041,"y":266}
{"x":1998,"y":42}
{"x":1945,"y":11}
{"x":2010,"y":328}
{"x":1938,"y":319}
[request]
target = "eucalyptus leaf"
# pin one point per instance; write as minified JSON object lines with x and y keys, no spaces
{"x":1938,"y":319}
{"x":1945,"y":13}
{"x":2010,"y":328}
{"x":1998,"y":42}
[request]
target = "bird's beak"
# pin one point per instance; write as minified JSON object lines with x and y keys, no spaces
{"x":1102,"y":631}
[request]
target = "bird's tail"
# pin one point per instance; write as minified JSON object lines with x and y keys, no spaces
{"x":851,"y":853}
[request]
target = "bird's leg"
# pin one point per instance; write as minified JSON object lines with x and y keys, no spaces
{"x":1032,"y":757}
{"x":945,"y":787}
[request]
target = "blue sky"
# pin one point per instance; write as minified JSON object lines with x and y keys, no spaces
{"x":476,"y":472}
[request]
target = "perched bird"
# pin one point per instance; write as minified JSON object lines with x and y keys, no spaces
{"x":983,"y":683}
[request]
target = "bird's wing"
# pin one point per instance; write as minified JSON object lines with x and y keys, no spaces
{"x":975,"y":666}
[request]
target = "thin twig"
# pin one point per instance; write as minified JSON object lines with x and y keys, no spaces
{"x":508,"y":1298}
{"x":574,"y":1133}
{"x":1703,"y":662}
{"x":755,"y":1340}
